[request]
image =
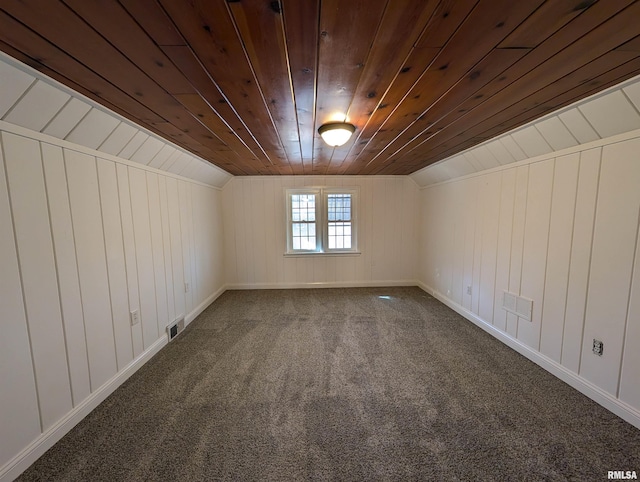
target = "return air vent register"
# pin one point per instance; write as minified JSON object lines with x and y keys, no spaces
{"x":523,"y":307}
{"x":175,"y":328}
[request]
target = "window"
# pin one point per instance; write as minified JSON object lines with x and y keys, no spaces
{"x":321,"y":221}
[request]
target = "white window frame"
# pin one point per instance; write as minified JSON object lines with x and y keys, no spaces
{"x":322,"y":221}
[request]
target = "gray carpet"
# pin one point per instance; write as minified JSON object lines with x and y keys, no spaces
{"x":340,"y":384}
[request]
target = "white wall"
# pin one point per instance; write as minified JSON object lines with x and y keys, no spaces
{"x":255,"y":234}
{"x":562,"y":231}
{"x":86,"y":238}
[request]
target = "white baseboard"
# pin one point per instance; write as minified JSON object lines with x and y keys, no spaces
{"x":324,"y":284}
{"x":44,"y":442}
{"x":204,"y":305}
{"x":614,"y":405}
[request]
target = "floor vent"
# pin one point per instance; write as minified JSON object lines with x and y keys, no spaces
{"x":175,"y":328}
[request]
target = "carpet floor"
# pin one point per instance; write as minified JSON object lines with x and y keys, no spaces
{"x":340,"y":384}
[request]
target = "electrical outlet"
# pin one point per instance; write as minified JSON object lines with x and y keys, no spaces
{"x":135,"y":317}
{"x":469,"y":290}
{"x":187,"y":287}
{"x":598,"y":347}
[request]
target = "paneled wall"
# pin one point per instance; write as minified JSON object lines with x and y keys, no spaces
{"x":85,"y":240}
{"x":255,"y":231}
{"x":562,"y":231}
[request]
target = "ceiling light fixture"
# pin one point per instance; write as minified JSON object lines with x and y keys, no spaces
{"x":336,"y":133}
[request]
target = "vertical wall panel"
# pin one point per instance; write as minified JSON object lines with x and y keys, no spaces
{"x":175,"y":231}
{"x":37,"y":265}
{"x":490,"y":224}
{"x":559,"y":255}
{"x":92,"y":268}
{"x":213,"y":211}
{"x":614,"y":241}
{"x":249,"y":201}
{"x":194,"y":256}
{"x":280,"y":220}
{"x":481,"y":201}
{"x":70,"y":266}
{"x":166,"y":243}
{"x":69,"y":284}
{"x":255,"y":232}
{"x":184,"y":193}
{"x":259,"y":242}
{"x":157,"y":245}
{"x":144,"y":255}
{"x":517,"y":241}
{"x":536,"y":235}
{"x":239,"y":218}
{"x":19,"y":417}
{"x":230,"y":268}
{"x":269,"y":230}
{"x":206,"y":243}
{"x":471,"y":201}
{"x":586,"y":195}
{"x":129,"y":253}
{"x":378,"y":231}
{"x":630,"y":376}
{"x":116,"y":268}
{"x":503,"y":259}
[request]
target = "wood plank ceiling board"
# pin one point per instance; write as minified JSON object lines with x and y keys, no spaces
{"x":245,"y":84}
{"x":478,"y":34}
{"x":347,"y":32}
{"x":301,"y":21}
{"x":542,"y":80}
{"x":261,"y":28}
{"x":385,"y":62}
{"x":444,"y":22}
{"x":549,"y":62}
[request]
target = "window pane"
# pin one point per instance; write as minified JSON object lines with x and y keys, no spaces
{"x":339,"y":207}
{"x":303,"y":236}
{"x":303,"y":207}
{"x":339,"y":235}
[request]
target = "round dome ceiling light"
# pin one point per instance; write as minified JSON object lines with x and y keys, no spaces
{"x":336,"y":133}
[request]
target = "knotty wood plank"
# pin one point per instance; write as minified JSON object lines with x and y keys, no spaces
{"x":187,"y":62}
{"x":347,"y":30}
{"x":444,"y":22}
{"x":209,"y":30}
{"x":578,"y":42}
{"x":172,"y":133}
{"x":484,"y":28}
{"x":261,"y":29}
{"x":154,"y":20}
{"x":301,"y":20}
{"x":206,"y":115}
{"x":633,"y":45}
{"x":422,"y":157}
{"x":81,"y":42}
{"x":544,"y":22}
{"x":485,"y":72}
{"x":400,"y":28}
{"x":27,"y":46}
{"x":113,"y":22}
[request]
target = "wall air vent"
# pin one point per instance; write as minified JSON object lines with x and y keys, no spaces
{"x":522,"y":307}
{"x":175,"y":328}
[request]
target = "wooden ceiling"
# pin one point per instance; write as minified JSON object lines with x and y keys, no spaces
{"x":245,"y":84}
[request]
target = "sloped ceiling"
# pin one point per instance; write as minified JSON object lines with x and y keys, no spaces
{"x":245,"y":84}
{"x":614,"y":111}
{"x":38,"y":103}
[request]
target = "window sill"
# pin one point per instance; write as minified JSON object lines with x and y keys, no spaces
{"x":322,"y":253}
